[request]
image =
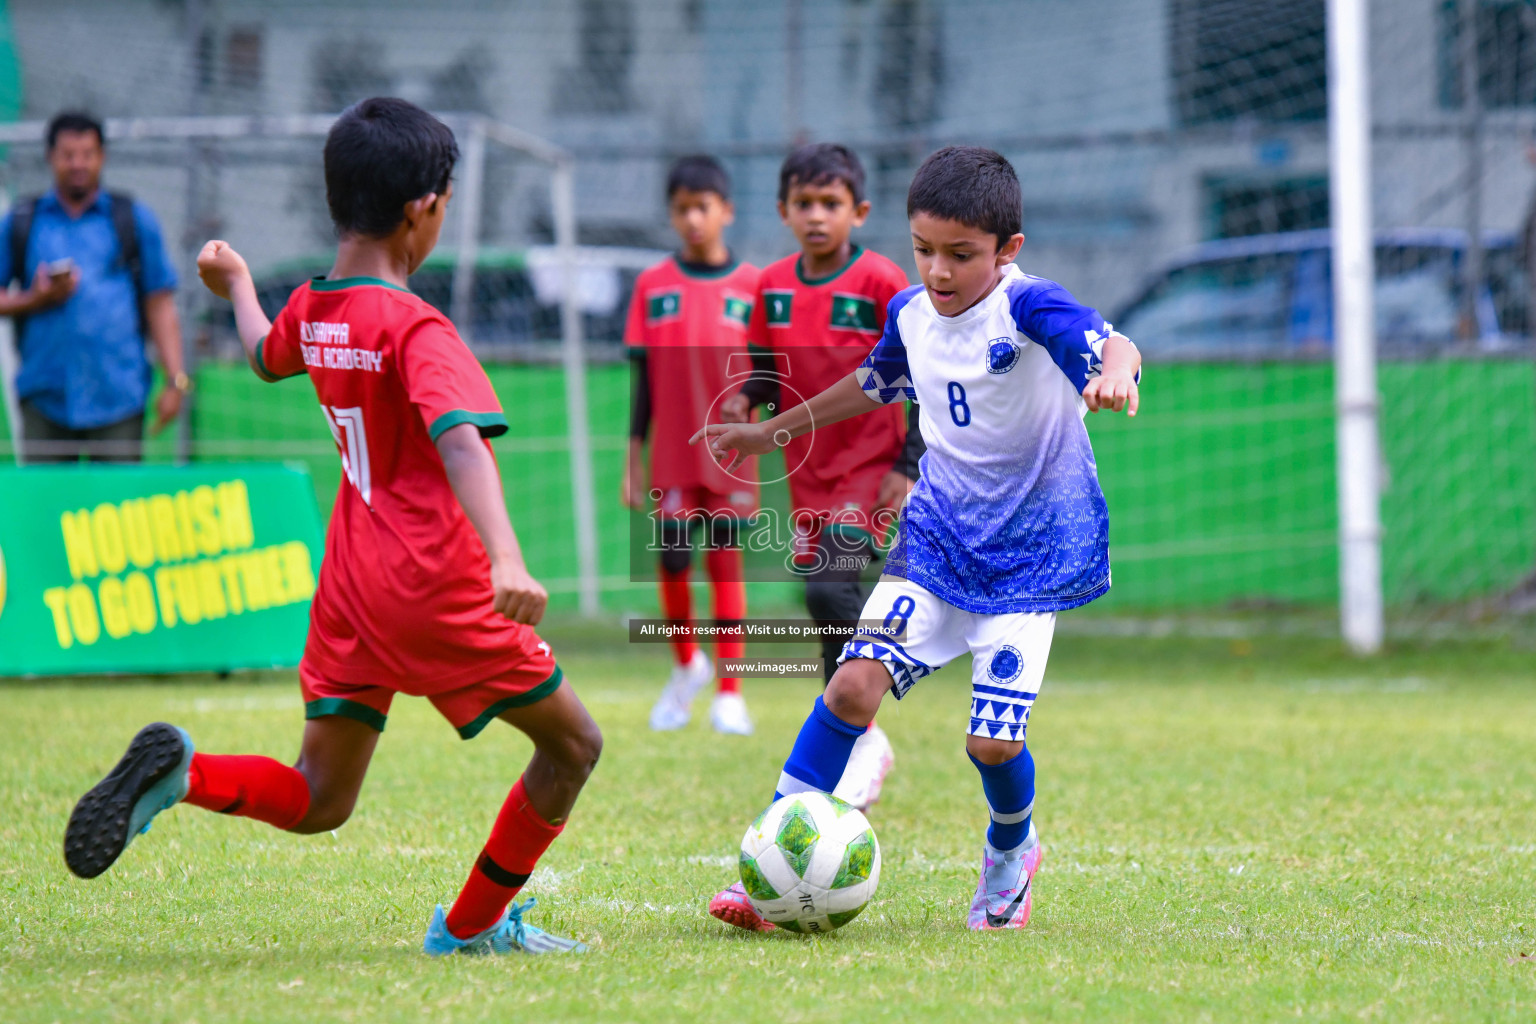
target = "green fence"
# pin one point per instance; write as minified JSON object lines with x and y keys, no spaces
{"x":1221,"y":491}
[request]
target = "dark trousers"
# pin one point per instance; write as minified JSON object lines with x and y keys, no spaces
{"x":835,"y":591}
{"x":43,"y":440}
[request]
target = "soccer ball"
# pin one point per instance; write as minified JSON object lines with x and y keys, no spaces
{"x":810,"y":862}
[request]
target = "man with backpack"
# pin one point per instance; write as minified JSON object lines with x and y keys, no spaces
{"x":95,"y":283}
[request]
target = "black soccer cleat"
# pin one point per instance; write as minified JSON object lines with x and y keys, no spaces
{"x":151,"y":776}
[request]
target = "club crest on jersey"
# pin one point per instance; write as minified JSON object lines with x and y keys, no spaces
{"x":1006,"y":664}
{"x":855,"y":313}
{"x":1002,"y":355}
{"x":661,"y":306}
{"x":778,"y":304}
{"x":737,"y":311}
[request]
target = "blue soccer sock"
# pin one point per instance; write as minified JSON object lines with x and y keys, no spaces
{"x":820,"y":754}
{"x":1010,"y":790}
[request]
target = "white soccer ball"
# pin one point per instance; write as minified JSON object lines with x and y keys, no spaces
{"x":810,"y":862}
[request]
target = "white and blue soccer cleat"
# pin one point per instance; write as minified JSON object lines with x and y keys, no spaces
{"x":728,"y":715}
{"x":674,"y":707}
{"x":509,"y":935}
{"x":1004,"y":893}
{"x":151,"y":776}
{"x":868,"y":765}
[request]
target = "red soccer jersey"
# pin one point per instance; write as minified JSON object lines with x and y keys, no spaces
{"x":404,"y":598}
{"x":820,"y":331}
{"x":691,"y":324}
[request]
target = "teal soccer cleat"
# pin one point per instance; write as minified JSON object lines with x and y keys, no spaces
{"x":151,"y":776}
{"x":509,"y":935}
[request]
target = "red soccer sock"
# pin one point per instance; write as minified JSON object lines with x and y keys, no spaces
{"x":518,"y":839}
{"x":249,"y":786}
{"x":677,"y":606}
{"x":730,"y":600}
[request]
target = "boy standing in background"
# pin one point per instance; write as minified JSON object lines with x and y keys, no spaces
{"x":817,"y":315}
{"x":688,"y":317}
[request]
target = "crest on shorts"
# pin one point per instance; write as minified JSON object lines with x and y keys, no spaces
{"x":1006,"y":664}
{"x":1002,"y":355}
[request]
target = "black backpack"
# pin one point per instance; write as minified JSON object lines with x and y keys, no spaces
{"x":127,"y":229}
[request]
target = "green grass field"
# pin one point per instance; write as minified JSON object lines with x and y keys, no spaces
{"x":1244,"y":829}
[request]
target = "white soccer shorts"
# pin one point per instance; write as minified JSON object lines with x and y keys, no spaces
{"x":922,"y":633}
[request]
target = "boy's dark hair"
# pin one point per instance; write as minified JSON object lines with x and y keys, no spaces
{"x":970,"y":184}
{"x":699,"y":173}
{"x":379,"y":155}
{"x":74,"y":121}
{"x":822,"y":163}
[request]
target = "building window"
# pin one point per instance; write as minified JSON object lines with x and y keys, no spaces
{"x":910,"y":67}
{"x":1236,"y":59}
{"x":242,"y":57}
{"x":1506,"y":53}
{"x":1245,"y":206}
{"x":346,"y":69}
{"x":599,"y":83}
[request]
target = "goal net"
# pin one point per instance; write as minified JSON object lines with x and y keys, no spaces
{"x":1175,"y":164}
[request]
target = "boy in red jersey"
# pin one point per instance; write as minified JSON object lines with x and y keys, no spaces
{"x":423,"y":589}
{"x":687,"y":318}
{"x":818,"y":313}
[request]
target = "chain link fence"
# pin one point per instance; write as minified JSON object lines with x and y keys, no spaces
{"x":1174,"y":158}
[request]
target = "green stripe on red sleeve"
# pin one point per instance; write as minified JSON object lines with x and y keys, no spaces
{"x":491,"y":424}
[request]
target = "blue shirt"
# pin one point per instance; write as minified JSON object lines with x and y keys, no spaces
{"x":1007,"y":515}
{"x":83,"y":363}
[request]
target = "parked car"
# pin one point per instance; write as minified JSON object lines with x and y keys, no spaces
{"x":1271,"y":297}
{"x":515,"y":310}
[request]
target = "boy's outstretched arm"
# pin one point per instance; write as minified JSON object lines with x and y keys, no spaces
{"x":841,"y":401}
{"x":1115,"y":387}
{"x":475,"y":482}
{"x":225,"y":274}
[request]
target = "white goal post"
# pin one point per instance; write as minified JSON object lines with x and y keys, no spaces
{"x":1359,"y":443}
{"x":474,"y":131}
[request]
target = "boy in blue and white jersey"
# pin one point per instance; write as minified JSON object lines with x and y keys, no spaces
{"x":1007,"y":525}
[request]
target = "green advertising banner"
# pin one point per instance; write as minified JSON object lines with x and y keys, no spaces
{"x":155,"y":568}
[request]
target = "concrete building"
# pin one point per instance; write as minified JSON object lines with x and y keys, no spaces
{"x":1137,"y":126}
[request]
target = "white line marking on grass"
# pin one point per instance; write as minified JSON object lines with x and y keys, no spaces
{"x":410,"y":851}
{"x":713,"y":860}
{"x":1406,"y":684}
{"x":1153,"y":851}
{"x":612,"y":696}
{"x":221,"y":705}
{"x":550,"y":880}
{"x":627,"y":906}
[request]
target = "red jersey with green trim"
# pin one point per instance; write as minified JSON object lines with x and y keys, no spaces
{"x":691,"y":324}
{"x":404,"y":598}
{"x":821,"y":330}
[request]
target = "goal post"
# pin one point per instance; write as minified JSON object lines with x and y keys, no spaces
{"x":1359,"y":453}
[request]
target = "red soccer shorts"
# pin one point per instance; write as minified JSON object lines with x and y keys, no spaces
{"x":701,"y":503}
{"x":847,"y":508}
{"x":468,"y":709}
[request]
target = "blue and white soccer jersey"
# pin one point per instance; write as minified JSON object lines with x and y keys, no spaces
{"x":1009,"y":651}
{"x":1007,"y":519}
